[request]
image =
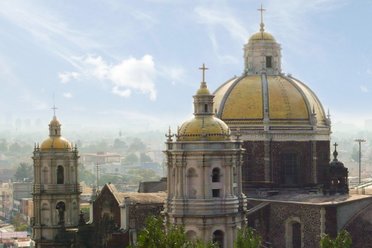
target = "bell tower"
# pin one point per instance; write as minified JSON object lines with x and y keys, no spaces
{"x":204,"y":176}
{"x":56,"y":189}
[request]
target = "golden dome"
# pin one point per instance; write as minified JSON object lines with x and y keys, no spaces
{"x":207,"y":128}
{"x":55,"y":143}
{"x":54,"y":122}
{"x":241,"y":101}
{"x":203,"y":90}
{"x":262,"y":36}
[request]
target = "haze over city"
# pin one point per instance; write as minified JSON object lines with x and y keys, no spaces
{"x":134,"y":65}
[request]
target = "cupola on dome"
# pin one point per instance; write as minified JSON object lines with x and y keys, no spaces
{"x":55,"y":140}
{"x":204,"y":126}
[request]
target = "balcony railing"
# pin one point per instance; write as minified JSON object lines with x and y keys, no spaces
{"x":56,"y":188}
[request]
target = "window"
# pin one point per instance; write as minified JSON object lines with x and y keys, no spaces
{"x":218,"y":238}
{"x":205,"y":108}
{"x":60,"y":175}
{"x":215,"y":192}
{"x":269,"y":62}
{"x":216,"y":175}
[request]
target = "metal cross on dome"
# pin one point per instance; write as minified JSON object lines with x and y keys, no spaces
{"x":203,"y":68}
{"x":261,"y":10}
{"x":54,"y":109}
{"x":335,"y":145}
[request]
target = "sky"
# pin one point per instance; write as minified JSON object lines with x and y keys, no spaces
{"x":133,"y":65}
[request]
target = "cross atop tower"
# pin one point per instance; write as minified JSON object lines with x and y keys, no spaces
{"x":335,"y":145}
{"x":203,"y":68}
{"x":262,"y":25}
{"x":54,"y":110}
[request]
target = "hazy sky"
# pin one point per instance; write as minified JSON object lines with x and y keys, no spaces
{"x":133,"y":64}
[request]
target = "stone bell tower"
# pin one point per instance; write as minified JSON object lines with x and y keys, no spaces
{"x":204,"y":176}
{"x":56,"y":189}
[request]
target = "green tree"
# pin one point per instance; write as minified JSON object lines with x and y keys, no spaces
{"x":248,"y":238}
{"x":131,"y":159}
{"x":155,"y":235}
{"x":144,"y":158}
{"x":23,"y":171}
{"x":343,"y":240}
{"x":137,"y":145}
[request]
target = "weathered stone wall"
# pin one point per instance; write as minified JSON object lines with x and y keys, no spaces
{"x":253,"y":162}
{"x":309,"y":216}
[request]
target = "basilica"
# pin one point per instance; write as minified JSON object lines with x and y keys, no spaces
{"x":256,"y":152}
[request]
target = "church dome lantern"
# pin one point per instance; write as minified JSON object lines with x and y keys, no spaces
{"x":204,"y":125}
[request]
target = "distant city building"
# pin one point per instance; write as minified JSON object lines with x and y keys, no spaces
{"x":56,"y":190}
{"x":100,"y":158}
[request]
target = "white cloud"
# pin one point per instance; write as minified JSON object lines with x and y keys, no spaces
{"x":215,"y":17}
{"x":174,"y":73}
{"x":67,"y":95}
{"x":66,"y":77}
{"x":364,"y":89}
{"x":124,"y":77}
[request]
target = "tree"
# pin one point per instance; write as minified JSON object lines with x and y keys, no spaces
{"x":24,"y":171}
{"x":131,"y":159}
{"x":137,"y":145}
{"x":144,"y":158}
{"x":343,"y":240}
{"x":248,"y":238}
{"x":155,"y":235}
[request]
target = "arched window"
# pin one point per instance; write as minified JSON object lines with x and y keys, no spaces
{"x":216,"y":175}
{"x":218,"y":238}
{"x":60,"y":175}
{"x":293,"y":233}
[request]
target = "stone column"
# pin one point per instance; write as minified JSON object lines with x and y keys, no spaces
{"x":314,"y":162}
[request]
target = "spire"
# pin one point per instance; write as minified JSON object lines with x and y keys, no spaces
{"x":262,"y":25}
{"x":203,"y":84}
{"x":54,"y":125}
{"x":203,"y":100}
{"x":335,"y":153}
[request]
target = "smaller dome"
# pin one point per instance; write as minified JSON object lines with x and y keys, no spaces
{"x":207,"y":128}
{"x":54,"y":122}
{"x":55,"y":143}
{"x":262,"y":36}
{"x":203,"y":90}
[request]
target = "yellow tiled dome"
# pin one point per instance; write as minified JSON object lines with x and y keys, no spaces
{"x":241,"y":101}
{"x":204,"y":128}
{"x":55,"y":143}
{"x":262,"y":36}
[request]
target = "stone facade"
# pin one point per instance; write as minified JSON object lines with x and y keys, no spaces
{"x":204,"y":176}
{"x":55,"y":190}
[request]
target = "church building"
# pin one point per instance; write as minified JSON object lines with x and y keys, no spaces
{"x":56,"y":190}
{"x":285,"y":130}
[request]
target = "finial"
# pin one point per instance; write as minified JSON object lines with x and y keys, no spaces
{"x":328,"y":115}
{"x":54,"y":110}
{"x":169,"y":135}
{"x":335,"y":153}
{"x":203,"y":68}
{"x":262,"y":25}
